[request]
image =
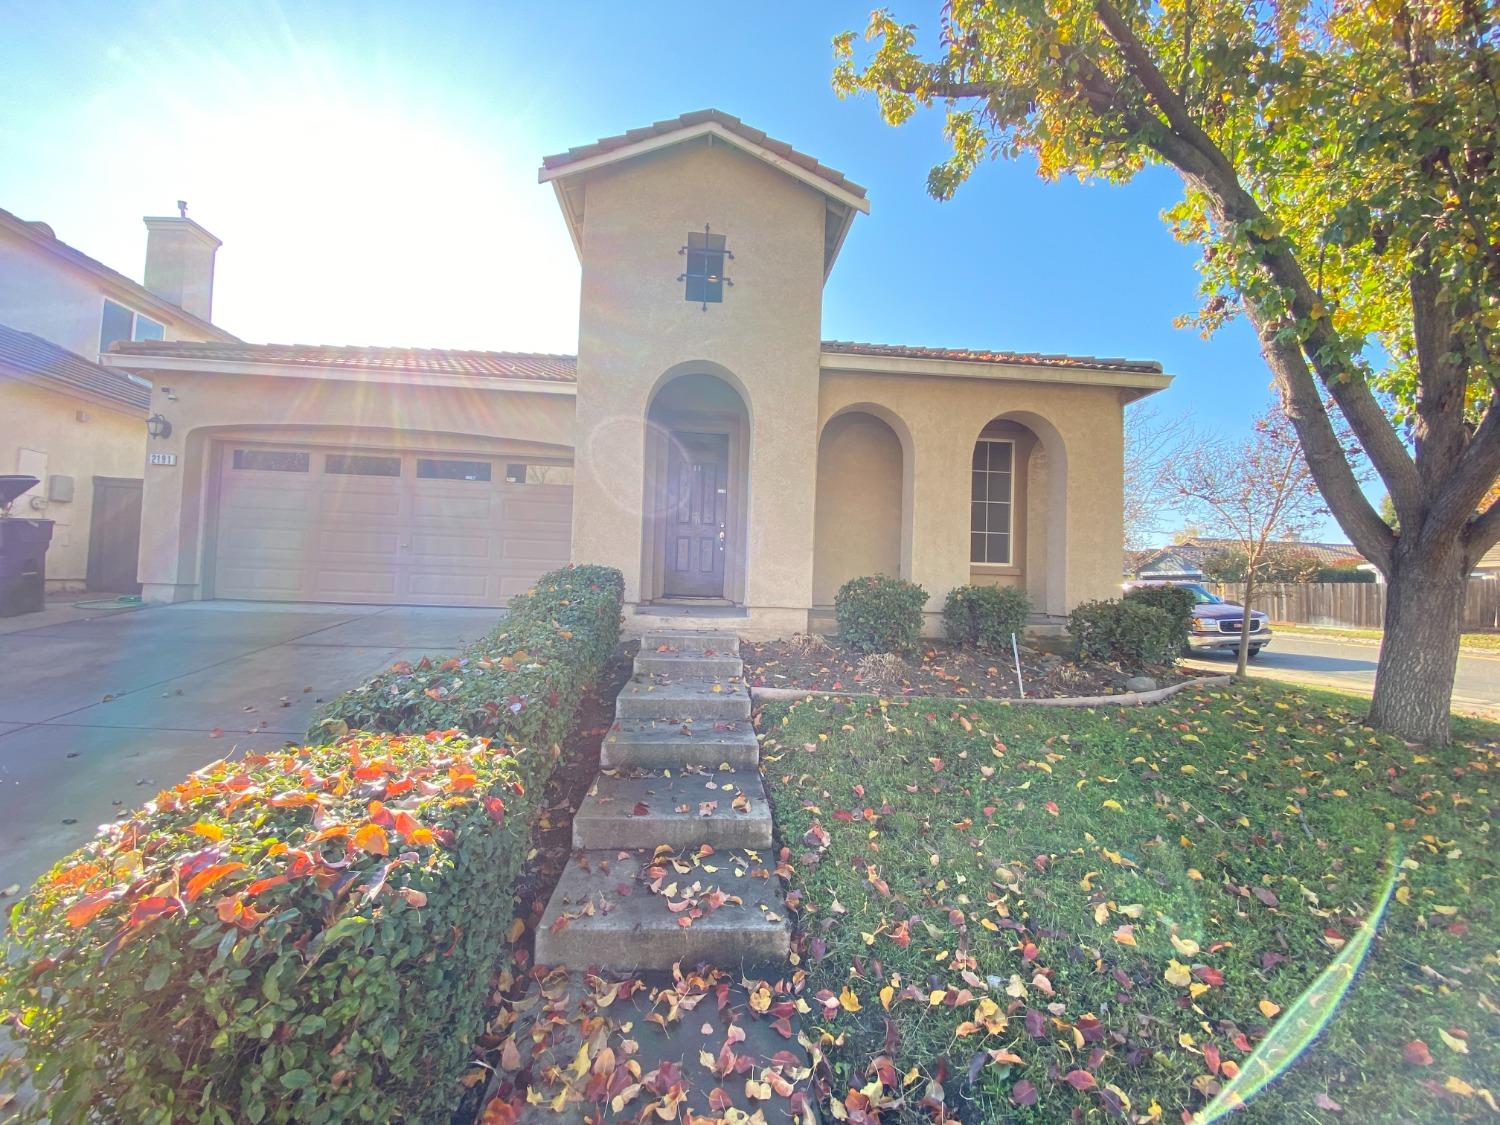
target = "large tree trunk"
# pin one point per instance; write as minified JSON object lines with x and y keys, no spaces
{"x":1419,"y":653}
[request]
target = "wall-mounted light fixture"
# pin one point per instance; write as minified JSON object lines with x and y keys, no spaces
{"x":158,"y":427}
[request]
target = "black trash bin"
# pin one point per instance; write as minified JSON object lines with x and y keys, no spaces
{"x":23,"y":552}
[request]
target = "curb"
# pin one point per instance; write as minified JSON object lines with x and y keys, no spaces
{"x":1124,"y":699}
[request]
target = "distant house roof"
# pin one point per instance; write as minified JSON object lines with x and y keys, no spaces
{"x":729,"y":122}
{"x":1185,"y":559}
{"x":39,"y":234}
{"x":1017,"y":359}
{"x":442,"y":361}
{"x":546,"y":367}
{"x":26,"y":355}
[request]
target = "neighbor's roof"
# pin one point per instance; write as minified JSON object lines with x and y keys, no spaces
{"x":436,"y":361}
{"x":1017,"y":359}
{"x":39,"y":234}
{"x":729,"y":122}
{"x":29,"y":355}
{"x":544,"y":367}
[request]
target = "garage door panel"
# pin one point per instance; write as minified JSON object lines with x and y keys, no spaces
{"x":381,"y":539}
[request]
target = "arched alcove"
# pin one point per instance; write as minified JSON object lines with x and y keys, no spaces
{"x":696,"y":498}
{"x":863,"y":505}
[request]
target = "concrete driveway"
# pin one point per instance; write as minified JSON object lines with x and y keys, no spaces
{"x":100,"y":711}
{"x":1349,"y":665}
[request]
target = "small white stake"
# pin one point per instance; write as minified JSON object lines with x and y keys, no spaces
{"x":1016,"y":652}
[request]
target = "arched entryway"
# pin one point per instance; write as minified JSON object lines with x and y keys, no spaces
{"x":696,"y":501}
{"x":863,"y":506}
{"x":1018,"y":509}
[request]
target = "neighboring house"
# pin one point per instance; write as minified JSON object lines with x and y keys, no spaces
{"x":77,"y":426}
{"x":706,"y":440}
{"x":1184,"y":561}
{"x":1489,"y":564}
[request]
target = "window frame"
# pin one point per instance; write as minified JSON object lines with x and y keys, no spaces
{"x":710,"y":282}
{"x":1009,"y":502}
{"x":135,"y":323}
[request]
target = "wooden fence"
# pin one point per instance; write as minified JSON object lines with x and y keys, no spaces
{"x":1354,"y":605}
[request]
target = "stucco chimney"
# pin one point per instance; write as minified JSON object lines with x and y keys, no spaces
{"x":180,"y":262}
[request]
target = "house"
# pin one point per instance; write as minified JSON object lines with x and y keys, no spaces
{"x":705,"y":439}
{"x":1184,"y":561}
{"x":77,"y":426}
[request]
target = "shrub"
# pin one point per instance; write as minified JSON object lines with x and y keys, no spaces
{"x":880,"y":613}
{"x":1177,"y":601}
{"x":1129,"y":633}
{"x":985,"y":615}
{"x":299,"y":936}
{"x":1343,"y":574}
{"x":296,"y":937}
{"x":520,"y":683}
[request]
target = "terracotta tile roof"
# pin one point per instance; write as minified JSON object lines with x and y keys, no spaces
{"x":1019,"y":359}
{"x":31,"y":355}
{"x":728,"y":121}
{"x":438,"y":361}
{"x":42,"y":235}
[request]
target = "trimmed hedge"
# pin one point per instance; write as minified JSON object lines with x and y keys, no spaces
{"x":985,"y":615}
{"x":880,"y":614}
{"x":307,"y":935}
{"x":1175,"y":600}
{"x":1128,"y":633}
{"x":520,"y":683}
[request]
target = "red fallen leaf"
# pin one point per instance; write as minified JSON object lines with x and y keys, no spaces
{"x":1323,"y":1101}
{"x":901,"y":935}
{"x":1053,"y":809}
{"x":1269,"y":960}
{"x":1208,"y":975}
{"x":1023,"y":1092}
{"x":1080,"y":1080}
{"x":495,"y":807}
{"x":1036,"y":1023}
{"x":1029,"y":951}
{"x":1211,"y":1057}
{"x":846,"y":817}
{"x":1266,"y":896}
{"x":641,"y":809}
{"x":1240,"y":1040}
{"x":719,"y":1100}
{"x":1416,"y":1053}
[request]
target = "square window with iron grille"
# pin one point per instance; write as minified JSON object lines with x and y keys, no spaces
{"x":992,"y":501}
{"x":704,"y":277}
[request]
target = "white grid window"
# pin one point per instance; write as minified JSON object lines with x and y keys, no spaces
{"x":992,"y":501}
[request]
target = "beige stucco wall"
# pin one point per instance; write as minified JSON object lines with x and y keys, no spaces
{"x":111,"y":443}
{"x":636,"y":330}
{"x":859,"y":503}
{"x":177,"y":513}
{"x":1081,"y":430}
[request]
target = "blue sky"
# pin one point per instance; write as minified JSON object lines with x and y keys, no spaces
{"x":371,"y":168}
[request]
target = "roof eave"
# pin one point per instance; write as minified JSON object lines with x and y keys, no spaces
{"x":144,"y":362}
{"x":44,"y":381}
{"x":1141,"y":382}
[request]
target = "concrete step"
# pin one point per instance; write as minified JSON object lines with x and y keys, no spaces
{"x":683,"y":810}
{"x":708,"y":641}
{"x":683,"y":699}
{"x":678,"y":665}
{"x":650,"y":744}
{"x":605,"y":913}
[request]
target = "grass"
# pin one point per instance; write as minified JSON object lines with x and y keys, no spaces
{"x":1031,"y":912}
{"x":1485,"y":641}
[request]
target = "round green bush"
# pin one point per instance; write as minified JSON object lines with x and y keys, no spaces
{"x":985,"y":616}
{"x":1177,"y":601}
{"x":880,"y":614}
{"x":1130,"y":634}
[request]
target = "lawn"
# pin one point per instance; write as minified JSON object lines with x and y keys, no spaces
{"x":1477,"y":641}
{"x":1033,"y":913}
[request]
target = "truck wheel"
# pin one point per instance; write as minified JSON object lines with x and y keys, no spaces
{"x":1255,"y":651}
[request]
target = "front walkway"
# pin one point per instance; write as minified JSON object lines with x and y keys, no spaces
{"x":99,"y":711}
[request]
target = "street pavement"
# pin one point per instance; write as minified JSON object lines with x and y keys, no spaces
{"x":1349,"y":665}
{"x":100,"y":711}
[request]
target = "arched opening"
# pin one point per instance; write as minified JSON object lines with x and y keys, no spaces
{"x":696,"y":502}
{"x":1018,"y":509}
{"x":863,"y":505}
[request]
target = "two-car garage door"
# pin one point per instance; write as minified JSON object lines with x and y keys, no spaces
{"x":339,"y":525}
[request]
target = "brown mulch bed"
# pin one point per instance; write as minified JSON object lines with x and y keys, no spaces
{"x":939,"y":669}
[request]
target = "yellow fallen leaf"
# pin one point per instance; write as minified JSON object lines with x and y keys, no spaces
{"x":1458,"y":1086}
{"x":885,"y":997}
{"x":1186,"y":946}
{"x":1178,"y":974}
{"x":1454,"y":1042}
{"x":1125,"y":934}
{"x":1269,"y":1008}
{"x":1113,"y":804}
{"x":848,"y":1000}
